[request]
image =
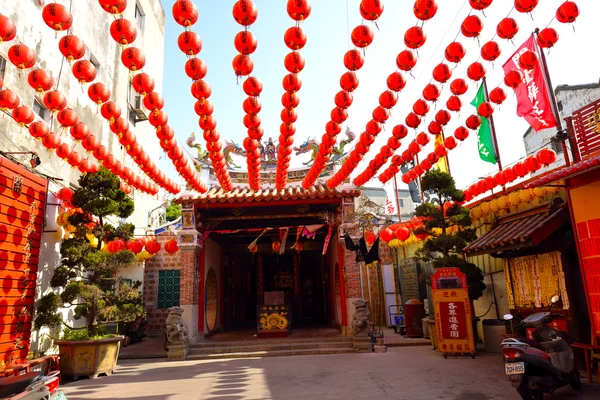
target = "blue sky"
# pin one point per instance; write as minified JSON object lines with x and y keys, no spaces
{"x":328,"y":29}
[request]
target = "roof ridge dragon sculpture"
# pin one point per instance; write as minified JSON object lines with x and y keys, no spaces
{"x":311,"y":144}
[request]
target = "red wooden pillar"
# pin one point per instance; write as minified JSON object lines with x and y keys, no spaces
{"x":201,"y":264}
{"x":341,"y":258}
{"x":331,"y":275}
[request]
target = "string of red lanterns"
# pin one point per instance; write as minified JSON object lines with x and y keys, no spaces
{"x":295,"y":39}
{"x":362,"y":37}
{"x":245,"y":13}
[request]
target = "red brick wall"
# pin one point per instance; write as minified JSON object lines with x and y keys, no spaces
{"x":352,"y":274}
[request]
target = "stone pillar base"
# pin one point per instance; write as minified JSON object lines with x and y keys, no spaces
{"x":177,"y":352}
{"x":362,"y":343}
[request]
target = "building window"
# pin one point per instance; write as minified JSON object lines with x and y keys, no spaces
{"x":168,"y":288}
{"x":401,"y":203}
{"x":2,"y":70}
{"x":42,"y":111}
{"x":139,"y":17}
{"x":556,"y":146}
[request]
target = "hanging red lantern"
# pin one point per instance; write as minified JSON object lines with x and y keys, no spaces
{"x":513,"y":78}
{"x":121,"y":125}
{"x":393,"y":144}
{"x":490,"y":51}
{"x":546,"y":156}
{"x":99,"y":93}
{"x":567,"y":12}
{"x":123,"y":31}
{"x":252,"y":86}
{"x":171,"y":246}
{"x":84,"y":71}
{"x":508,"y":175}
{"x":291,"y":83}
{"x":399,"y":131}
{"x":485,"y":109}
{"x":201,"y":89}
{"x":480,"y":4}
{"x":371,"y":10}
{"x":442,"y":73}
{"x":294,"y":38}
{"x":203,"y":107}
{"x":153,"y":101}
{"x":455,"y":52}
{"x":380,"y":114}
{"x":298,"y":10}
{"x":21,"y":56}
{"x":373,"y":128}
{"x":547,"y":38}
{"x":165,"y":132}
{"x":349,"y":81}
{"x":476,"y":71}
{"x":195,"y":68}
{"x":525,"y":6}
{"x":414,"y":37}
{"x":413,"y":120}
{"x":473,"y":122}
{"x":135,"y":246}
{"x":113,"y":6}
{"x":425,"y":9}
{"x":8,"y":31}
{"x":353,"y":60}
{"x":454,"y":103}
{"x":431,"y":92}
{"x":471,"y":26}
{"x":434,"y":128}
{"x":251,"y":105}
{"x":251,"y":121}
{"x":23,"y":115}
{"x":396,"y":81}
{"x":338,"y":115}
{"x":40,"y":80}
{"x":450,"y":143}
{"x":370,"y":237}
{"x":67,"y":118}
{"x":420,"y":107}
{"x":414,"y":147}
{"x":71,"y":47}
{"x":531,"y":164}
{"x":497,"y":95}
{"x":459,"y":86}
{"x":528,"y":60}
{"x":386,"y":235}
{"x":406,"y":60}
{"x":152,"y":247}
{"x":388,"y":99}
{"x":443,"y":116}
{"x":90,"y":143}
{"x":245,"y":12}
{"x":290,"y":115}
{"x":57,"y":17}
{"x":422,"y":139}
{"x":55,"y":101}
{"x":362,"y":36}
{"x":291,"y":99}
{"x":189,"y":43}
{"x":51,"y":141}
{"x":79,"y":131}
{"x":462,"y":133}
{"x":62,"y":151}
{"x":343,"y":99}
{"x":507,"y":28}
{"x":142,"y":83}
{"x":127,"y":139}
{"x":402,"y":233}
{"x":294,"y":62}
{"x":110,"y":111}
{"x":133,"y":59}
{"x":38,"y":129}
{"x":185,"y":12}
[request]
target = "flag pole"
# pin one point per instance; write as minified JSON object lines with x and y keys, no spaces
{"x":397,"y":198}
{"x":492,"y":127}
{"x":554,"y":104}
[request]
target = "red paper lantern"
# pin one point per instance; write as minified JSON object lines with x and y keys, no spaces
{"x":434,"y":128}
{"x":513,"y":78}
{"x":135,"y":246}
{"x":294,"y":62}
{"x":40,"y":80}
{"x":422,"y":139}
{"x":201,"y":89}
{"x":110,"y":111}
{"x":381,"y":114}
{"x":196,"y":69}
{"x":443,"y":117}
{"x":123,"y":31}
{"x":21,"y":56}
{"x":567,"y":12}
{"x":252,"y":86}
{"x":458,"y":87}
{"x":294,"y":38}
{"x":349,"y":81}
{"x":528,"y":60}
{"x":245,"y":12}
{"x":99,"y":93}
{"x":67,"y":118}
{"x":519,"y":169}
{"x":462,"y":133}
{"x":38,"y":129}
{"x":532,"y":164}
{"x":84,"y":71}
{"x":507,"y":28}
{"x":442,"y":73}
{"x":57,"y":17}
{"x":386,"y":235}
{"x":431,"y":92}
{"x":165,"y":132}
{"x":490,"y":51}
{"x":547,"y":38}
{"x":55,"y":101}
{"x":185,"y":12}
{"x":546,"y":156}
{"x":413,"y":120}
{"x":353,"y":60}
{"x":480,"y":4}
{"x":298,"y":10}
{"x":497,"y":95}
{"x":414,"y":37}
{"x":399,"y":131}
{"x":63,"y":151}
{"x":370,"y":237}
{"x":454,"y":103}
{"x":450,"y":143}
{"x":90,"y":143}
{"x":406,"y":60}
{"x":251,"y":121}
{"x":473,"y":122}
{"x":171,"y":246}
{"x":485,"y":109}
{"x":508,"y":175}
{"x":8,"y":31}
{"x":189,"y":43}
{"x":142,"y":83}
{"x":133,"y":59}
{"x":23,"y":115}
{"x":121,"y":125}
{"x":127,"y":139}
{"x":455,"y":52}
{"x":342,"y":99}
{"x":79,"y":131}
{"x":290,"y":115}
{"x":372,"y":128}
{"x":362,"y":36}
{"x":402,"y":233}
{"x":113,"y":6}
{"x":71,"y":47}
{"x":9,"y":100}
{"x":396,"y":81}
{"x":251,"y":105}
{"x":291,"y":99}
{"x":393,"y":144}
{"x":152,"y":247}
{"x":525,"y":6}
{"x":153,"y":101}
{"x":388,"y":99}
{"x":414,"y":147}
{"x":421,"y":107}
{"x":425,"y":9}
{"x":471,"y":26}
{"x":476,"y":71}
{"x":242,"y":65}
{"x":75,"y":160}
{"x":338,"y":115}
{"x":371,"y":10}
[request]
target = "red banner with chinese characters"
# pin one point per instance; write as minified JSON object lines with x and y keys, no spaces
{"x":454,"y":315}
{"x":533,"y":102}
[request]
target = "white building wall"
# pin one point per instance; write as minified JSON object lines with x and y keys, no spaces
{"x":91,"y":23}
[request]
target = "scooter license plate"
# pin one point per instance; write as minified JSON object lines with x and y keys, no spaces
{"x":514,"y":368}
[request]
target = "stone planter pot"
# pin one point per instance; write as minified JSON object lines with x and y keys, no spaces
{"x":88,"y":357}
{"x":430,"y":323}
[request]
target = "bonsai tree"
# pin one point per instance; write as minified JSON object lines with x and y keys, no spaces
{"x":448,"y":225}
{"x":173,"y":212}
{"x":88,"y":274}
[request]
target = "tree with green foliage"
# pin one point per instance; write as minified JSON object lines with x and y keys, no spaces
{"x":443,"y":248}
{"x":87,"y":274}
{"x":173,"y":212}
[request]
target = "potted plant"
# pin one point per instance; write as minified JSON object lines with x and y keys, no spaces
{"x":448,"y":225}
{"x":87,"y":277}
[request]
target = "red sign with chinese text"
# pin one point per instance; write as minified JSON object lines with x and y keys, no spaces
{"x":455,"y":322}
{"x":533,"y":102}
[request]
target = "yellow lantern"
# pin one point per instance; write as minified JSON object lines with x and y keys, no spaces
{"x":476,"y":212}
{"x":69,"y":228}
{"x":94,"y":242}
{"x":539,"y":191}
{"x":503,"y":202}
{"x":485,"y":208}
{"x":551,"y":189}
{"x":525,"y":195}
{"x":494,"y":207}
{"x":63,"y":219}
{"x":514,"y":199}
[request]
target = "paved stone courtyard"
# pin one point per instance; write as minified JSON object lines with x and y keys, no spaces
{"x":411,"y":373}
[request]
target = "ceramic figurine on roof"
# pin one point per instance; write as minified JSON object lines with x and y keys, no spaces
{"x":312,"y":145}
{"x":269,"y":151}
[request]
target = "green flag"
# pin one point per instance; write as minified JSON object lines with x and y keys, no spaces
{"x":485,"y":143}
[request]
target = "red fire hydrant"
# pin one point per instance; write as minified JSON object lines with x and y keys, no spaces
{"x":414,"y":312}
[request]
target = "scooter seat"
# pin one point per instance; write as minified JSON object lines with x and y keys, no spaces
{"x":16,"y":384}
{"x":533,"y":343}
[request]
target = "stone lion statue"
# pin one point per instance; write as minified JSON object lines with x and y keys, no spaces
{"x":176,"y":330}
{"x":360,"y":319}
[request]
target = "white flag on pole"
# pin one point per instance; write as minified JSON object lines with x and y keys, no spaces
{"x":391,"y":205}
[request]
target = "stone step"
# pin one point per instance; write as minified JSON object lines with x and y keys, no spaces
{"x":271,"y":347}
{"x":277,"y":341}
{"x":271,"y":353}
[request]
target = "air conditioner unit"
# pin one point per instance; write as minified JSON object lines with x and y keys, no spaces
{"x":136,"y":107}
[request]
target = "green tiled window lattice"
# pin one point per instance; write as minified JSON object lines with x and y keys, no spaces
{"x":168,"y":288}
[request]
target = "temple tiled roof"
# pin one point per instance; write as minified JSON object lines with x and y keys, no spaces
{"x":566,"y":172}
{"x":521,"y":229}
{"x":246,"y":195}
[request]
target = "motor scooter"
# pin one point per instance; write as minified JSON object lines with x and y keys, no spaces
{"x":542,"y":365}
{"x":32,"y":386}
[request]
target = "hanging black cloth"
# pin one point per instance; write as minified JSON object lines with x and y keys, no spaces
{"x":350,"y":245}
{"x":362,"y":254}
